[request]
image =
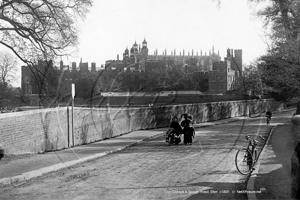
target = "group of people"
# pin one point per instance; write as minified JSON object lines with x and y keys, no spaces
{"x":185,"y":127}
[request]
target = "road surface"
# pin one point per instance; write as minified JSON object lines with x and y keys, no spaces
{"x":153,"y":170}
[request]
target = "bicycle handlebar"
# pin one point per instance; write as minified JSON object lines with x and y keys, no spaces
{"x":248,"y":137}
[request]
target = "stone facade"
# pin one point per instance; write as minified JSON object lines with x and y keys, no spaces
{"x":222,"y":77}
{"x":207,"y":72}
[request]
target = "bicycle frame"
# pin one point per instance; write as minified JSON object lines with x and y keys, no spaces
{"x":252,"y":145}
{"x":249,"y":156}
{"x":252,"y":148}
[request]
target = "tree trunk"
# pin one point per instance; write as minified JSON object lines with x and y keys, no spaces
{"x":298,"y":108}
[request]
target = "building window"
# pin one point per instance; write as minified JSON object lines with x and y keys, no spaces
{"x":197,"y":80}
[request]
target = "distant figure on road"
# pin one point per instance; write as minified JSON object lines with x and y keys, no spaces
{"x":269,"y":116}
{"x":188,"y":129}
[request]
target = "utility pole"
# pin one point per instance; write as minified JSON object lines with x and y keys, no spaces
{"x":73,"y":95}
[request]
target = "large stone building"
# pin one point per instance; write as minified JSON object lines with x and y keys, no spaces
{"x":208,"y":73}
{"x":42,"y":77}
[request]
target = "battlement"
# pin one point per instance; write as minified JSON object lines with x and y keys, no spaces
{"x":238,"y":54}
{"x":178,"y":57}
{"x":82,"y":66}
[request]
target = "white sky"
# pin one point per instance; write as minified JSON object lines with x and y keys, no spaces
{"x":113,"y":25}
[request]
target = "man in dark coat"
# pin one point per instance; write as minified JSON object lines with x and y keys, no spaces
{"x":175,"y":125}
{"x":175,"y":130}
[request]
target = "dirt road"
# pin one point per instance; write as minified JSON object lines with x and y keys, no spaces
{"x":154,"y":170}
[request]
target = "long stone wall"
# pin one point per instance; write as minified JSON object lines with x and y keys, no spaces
{"x":51,"y":129}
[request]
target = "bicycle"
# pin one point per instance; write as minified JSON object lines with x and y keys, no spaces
{"x":246,"y":158}
{"x":172,"y":137}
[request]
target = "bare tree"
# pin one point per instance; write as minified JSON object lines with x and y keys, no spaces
{"x":40,"y":29}
{"x":8,"y":67}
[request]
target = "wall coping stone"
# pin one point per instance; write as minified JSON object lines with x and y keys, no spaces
{"x":29,"y":112}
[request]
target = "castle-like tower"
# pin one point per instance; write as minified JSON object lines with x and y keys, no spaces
{"x":144,"y":50}
{"x":236,"y":60}
{"x":137,"y":54}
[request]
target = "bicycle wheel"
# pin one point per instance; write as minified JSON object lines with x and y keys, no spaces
{"x":244,"y":161}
